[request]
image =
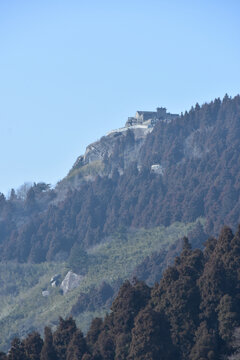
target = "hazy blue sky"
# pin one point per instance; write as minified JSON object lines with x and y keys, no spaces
{"x":72,"y":70}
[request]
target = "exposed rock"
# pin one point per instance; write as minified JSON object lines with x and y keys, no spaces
{"x":140,"y":125}
{"x":70,"y":282}
{"x":55,"y":280}
{"x":193,"y":146}
{"x":45,"y":293}
{"x":157,"y":169}
{"x":103,"y":148}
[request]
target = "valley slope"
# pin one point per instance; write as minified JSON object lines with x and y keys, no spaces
{"x":157,"y":172}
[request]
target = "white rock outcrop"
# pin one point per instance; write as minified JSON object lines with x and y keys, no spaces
{"x":70,"y":282}
{"x":157,"y":169}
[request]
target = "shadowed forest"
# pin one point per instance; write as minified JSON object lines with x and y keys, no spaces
{"x":199,"y":152}
{"x":192,"y":313}
{"x":189,"y":311}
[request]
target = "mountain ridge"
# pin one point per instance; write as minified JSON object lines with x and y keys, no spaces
{"x":197,"y":155}
{"x":135,"y":131}
{"x":118,"y":212}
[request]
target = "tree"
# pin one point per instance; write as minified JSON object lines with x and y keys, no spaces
{"x":78,"y":259}
{"x":227,"y":317}
{"x":77,"y":346}
{"x":48,"y":350}
{"x":13,"y":195}
{"x":151,"y":339}
{"x":205,"y":347}
{"x":16,"y":351}
{"x":63,"y":336}
{"x":33,"y":345}
{"x":30,"y":202}
{"x":93,"y":332}
{"x":235,"y":343}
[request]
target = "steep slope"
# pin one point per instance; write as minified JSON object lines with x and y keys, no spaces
{"x":30,"y":297}
{"x":117,"y":150}
{"x":179,"y":169}
{"x":187,"y":167}
{"x":191,"y":314}
{"x":200,"y":154}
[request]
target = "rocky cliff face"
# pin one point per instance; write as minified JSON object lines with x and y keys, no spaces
{"x":185,"y":168}
{"x":104,"y":147}
{"x":70,"y":282}
{"x":118,"y":148}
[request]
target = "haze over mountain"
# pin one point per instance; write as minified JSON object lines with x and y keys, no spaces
{"x":144,"y":175}
{"x":123,"y":241}
{"x":193,"y":313}
{"x":121,"y":212}
{"x":72,"y":71}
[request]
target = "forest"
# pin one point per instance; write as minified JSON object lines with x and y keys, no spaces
{"x":190,"y":310}
{"x":199,"y":153}
{"x":191,"y":313}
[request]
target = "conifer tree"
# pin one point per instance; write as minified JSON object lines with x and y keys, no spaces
{"x":63,"y":335}
{"x":32,"y":346}
{"x":227,"y":318}
{"x":48,"y":350}
{"x":205,"y":347}
{"x":93,"y":332}
{"x":151,"y":339}
{"x":16,"y":351}
{"x":77,"y":346}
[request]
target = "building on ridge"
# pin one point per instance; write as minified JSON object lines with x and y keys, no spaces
{"x":150,"y":118}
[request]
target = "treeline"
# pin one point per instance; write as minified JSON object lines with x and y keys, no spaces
{"x":192,"y":313}
{"x":199,"y":153}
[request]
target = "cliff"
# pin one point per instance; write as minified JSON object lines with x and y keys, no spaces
{"x":124,"y":143}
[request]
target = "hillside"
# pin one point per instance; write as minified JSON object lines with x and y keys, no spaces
{"x":197,"y":154}
{"x":119,"y":213}
{"x":191,"y":314}
{"x":24,"y":308}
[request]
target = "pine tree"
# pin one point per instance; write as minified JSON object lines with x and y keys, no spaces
{"x":93,"y":332}
{"x":77,"y":346}
{"x":16,"y":351}
{"x":63,"y":335}
{"x":205,"y":347}
{"x":151,"y":339}
{"x":48,"y":350}
{"x":227,"y":317}
{"x":33,"y":345}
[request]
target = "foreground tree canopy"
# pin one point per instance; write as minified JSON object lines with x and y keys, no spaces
{"x":192,"y":313}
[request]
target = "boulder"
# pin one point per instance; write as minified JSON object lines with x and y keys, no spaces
{"x":70,"y":282}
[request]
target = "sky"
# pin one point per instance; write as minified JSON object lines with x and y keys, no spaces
{"x":72,"y":70}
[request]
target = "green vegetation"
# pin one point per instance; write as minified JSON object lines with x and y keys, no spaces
{"x":192,"y":313}
{"x":113,"y":261}
{"x":23,"y":308}
{"x":92,"y":169}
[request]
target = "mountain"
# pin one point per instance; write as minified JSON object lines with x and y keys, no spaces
{"x":33,"y":295}
{"x":184,"y":167}
{"x":192,"y":313}
{"x":119,"y":213}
